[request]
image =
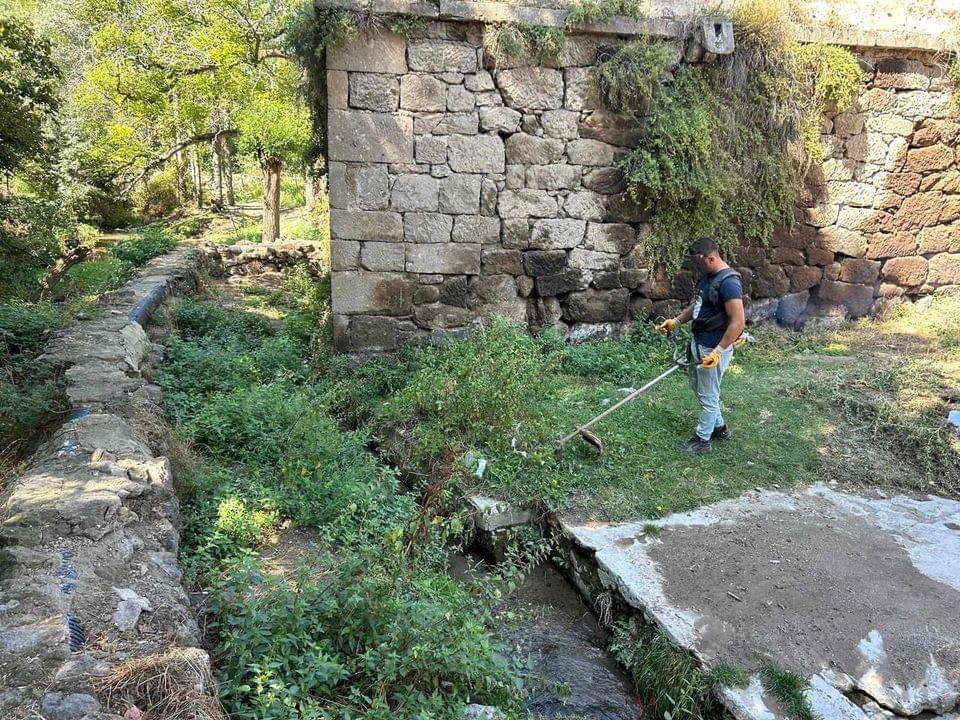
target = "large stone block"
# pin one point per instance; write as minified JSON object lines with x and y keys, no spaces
{"x":557,"y":234}
{"x":447,"y":124}
{"x":459,"y":99}
{"x":431,"y":149}
{"x":618,"y":238}
{"x":903,"y":183}
{"x":358,"y":187}
{"x":427,"y":227}
{"x":489,"y":289}
{"x":622,"y":208}
{"x":843,"y":241}
{"x":523,"y":149}
{"x":944,"y":269}
{"x":460,"y":194}
{"x":562,"y":283}
{"x":499,"y":119}
{"x":526,"y":203}
{"x":937,"y":239}
{"x":544,"y":262}
{"x":905,"y":271}
{"x":444,"y":258}
{"x":480,"y":82}
{"x":373,"y":333}
{"x":476,"y":154}
{"x":947,"y":182}
{"x":383,"y":52}
{"x":495,"y":261}
{"x":515,"y":232}
{"x":441,"y":317}
{"x":423,"y":93}
{"x":357,"y":136}
{"x":594,"y":306}
{"x":876,"y":100}
{"x":553,"y":177}
{"x":857,"y":299}
{"x":582,"y":91}
{"x":382,"y":256}
{"x":592,"y":260}
{"x":851,"y":193}
{"x":848,"y":123}
{"x":885,"y":245}
{"x":592,"y":153}
{"x":373,"y":91}
{"x":437,"y":56}
{"x":344,"y":255}
{"x":586,"y":205}
{"x":928,"y":159}
{"x":792,"y":308}
{"x":561,"y":124}
{"x":821,"y":215}
{"x":890,"y":124}
{"x":606,"y":180}
{"x":338,"y":89}
{"x":414,"y":193}
{"x":859,"y":270}
{"x":531,"y":88}
{"x":476,"y":229}
{"x":611,"y":127}
{"x":804,"y":277}
{"x":354,"y":293}
{"x":920,"y":210}
{"x":770,"y":281}
{"x":920,"y":104}
{"x":931,"y":132}
{"x":366,"y":225}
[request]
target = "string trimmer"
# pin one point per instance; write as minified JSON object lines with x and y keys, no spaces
{"x":679,"y":361}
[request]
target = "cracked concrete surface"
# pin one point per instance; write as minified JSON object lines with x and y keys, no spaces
{"x":859,"y":594}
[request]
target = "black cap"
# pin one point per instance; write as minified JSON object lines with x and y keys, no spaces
{"x":703,"y":246}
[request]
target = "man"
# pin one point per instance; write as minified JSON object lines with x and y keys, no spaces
{"x":718,"y":320}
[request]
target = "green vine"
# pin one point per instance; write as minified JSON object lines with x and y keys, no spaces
{"x":725,"y":146}
{"x":512,"y":42}
{"x":584,"y":12}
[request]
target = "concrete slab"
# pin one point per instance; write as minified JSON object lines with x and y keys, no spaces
{"x":859,"y":594}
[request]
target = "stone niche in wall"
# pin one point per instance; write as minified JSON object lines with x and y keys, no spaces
{"x":460,"y":191}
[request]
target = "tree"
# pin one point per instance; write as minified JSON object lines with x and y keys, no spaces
{"x":29,"y":85}
{"x":170,"y":81}
{"x":275,"y":131}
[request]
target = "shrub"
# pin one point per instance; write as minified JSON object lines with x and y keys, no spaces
{"x":158,"y":196}
{"x":366,"y":639}
{"x":583,"y":12}
{"x":150,"y":243}
{"x":25,"y":327}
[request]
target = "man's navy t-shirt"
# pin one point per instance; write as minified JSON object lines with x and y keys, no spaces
{"x":730,"y":289}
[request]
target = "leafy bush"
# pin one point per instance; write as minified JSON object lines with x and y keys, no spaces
{"x":150,"y":243}
{"x":158,"y":197}
{"x":583,"y":12}
{"x":630,"y":77}
{"x":366,"y":639}
{"x":25,"y":327}
{"x":511,"y":42}
{"x":93,"y":277}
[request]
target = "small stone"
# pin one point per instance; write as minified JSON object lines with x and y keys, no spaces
{"x":459,"y":99}
{"x":413,"y":193}
{"x":479,"y":154}
{"x":531,"y":88}
{"x":526,"y":203}
{"x":586,"y":205}
{"x":561,"y":124}
{"x":557,"y":234}
{"x":499,"y":119}
{"x":127,"y":614}
{"x":592,"y":153}
{"x":523,"y":149}
{"x":423,"y":93}
{"x":460,"y":194}
{"x":553,"y":177}
{"x":474,"y":228}
{"x":479,"y":82}
{"x":370,"y":91}
{"x":68,"y":706}
{"x":427,"y":227}
{"x":431,"y":149}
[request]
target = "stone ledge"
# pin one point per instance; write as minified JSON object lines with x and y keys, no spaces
{"x":532,"y":14}
{"x":88,"y":536}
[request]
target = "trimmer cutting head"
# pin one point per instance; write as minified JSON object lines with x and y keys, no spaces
{"x":592,"y":439}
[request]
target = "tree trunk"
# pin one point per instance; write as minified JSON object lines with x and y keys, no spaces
{"x":221,"y":163}
{"x":74,"y":255}
{"x":196,"y":176}
{"x":271,"y":199}
{"x":309,"y":189}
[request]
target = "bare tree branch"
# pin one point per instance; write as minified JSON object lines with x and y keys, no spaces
{"x":165,"y":156}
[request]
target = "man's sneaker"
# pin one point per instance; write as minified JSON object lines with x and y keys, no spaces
{"x":695,"y":446}
{"x":720,"y":433}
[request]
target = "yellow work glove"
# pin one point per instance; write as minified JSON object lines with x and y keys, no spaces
{"x":667,"y":326}
{"x":711,"y":361}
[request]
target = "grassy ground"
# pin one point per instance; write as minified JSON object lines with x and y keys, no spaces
{"x":370,"y":623}
{"x":863,"y":405}
{"x":31,"y":393}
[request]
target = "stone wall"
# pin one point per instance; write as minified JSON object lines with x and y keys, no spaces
{"x":88,"y":529}
{"x":460,"y":191}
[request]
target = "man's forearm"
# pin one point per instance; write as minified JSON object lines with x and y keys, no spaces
{"x":686,"y":315}
{"x":734,"y":330}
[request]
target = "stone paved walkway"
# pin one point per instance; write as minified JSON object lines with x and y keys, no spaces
{"x":860,"y":594}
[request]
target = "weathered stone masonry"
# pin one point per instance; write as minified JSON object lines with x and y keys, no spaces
{"x":461,"y":191}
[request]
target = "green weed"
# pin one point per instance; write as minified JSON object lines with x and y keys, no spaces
{"x":789,"y":688}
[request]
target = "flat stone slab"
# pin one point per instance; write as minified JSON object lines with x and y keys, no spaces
{"x":856,"y":593}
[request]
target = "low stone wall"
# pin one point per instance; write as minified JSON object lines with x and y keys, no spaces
{"x":460,"y":190}
{"x":247,"y":258}
{"x":88,"y":531}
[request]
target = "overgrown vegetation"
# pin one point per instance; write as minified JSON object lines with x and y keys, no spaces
{"x":789,"y":688}
{"x":512,"y":42}
{"x":593,"y":11}
{"x":725,"y":147}
{"x":371,"y":626}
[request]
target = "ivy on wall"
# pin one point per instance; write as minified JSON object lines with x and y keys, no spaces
{"x":725,"y":146}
